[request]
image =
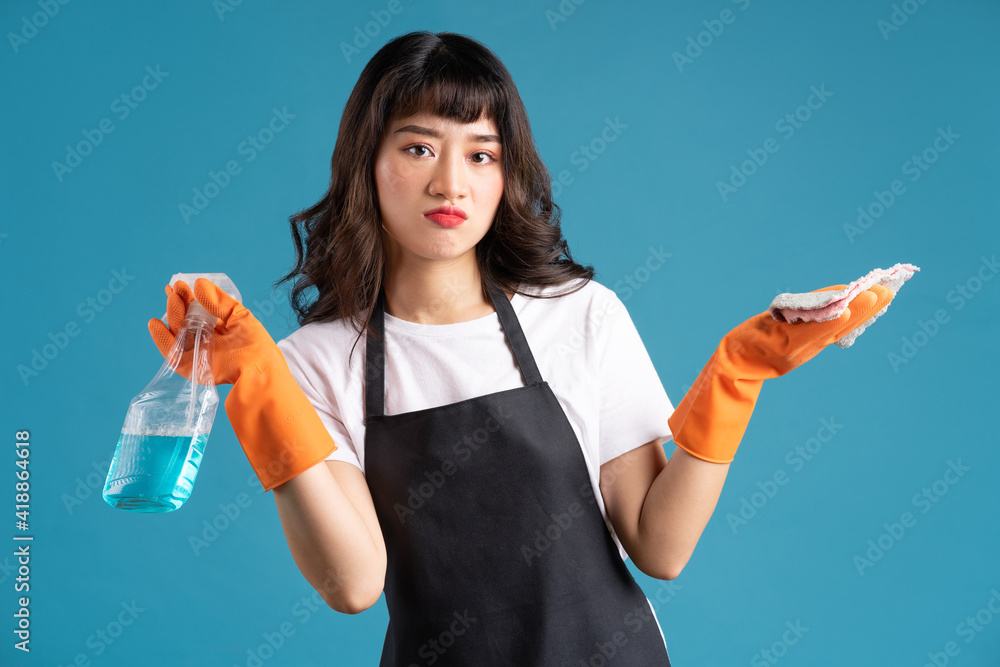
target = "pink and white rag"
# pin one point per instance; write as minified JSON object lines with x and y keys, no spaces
{"x":823,"y":306}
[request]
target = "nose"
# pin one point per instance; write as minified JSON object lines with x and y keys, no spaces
{"x":449,"y":178}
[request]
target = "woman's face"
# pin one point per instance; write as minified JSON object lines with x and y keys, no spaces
{"x":426,"y":162}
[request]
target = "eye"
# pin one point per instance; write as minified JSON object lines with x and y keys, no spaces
{"x":417,"y":146}
{"x":492,"y":158}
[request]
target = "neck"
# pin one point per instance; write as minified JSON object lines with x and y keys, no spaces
{"x":436,"y":291}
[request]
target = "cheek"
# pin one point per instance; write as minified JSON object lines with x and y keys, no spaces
{"x":395,"y":183}
{"x":496,"y":191}
{"x":487,"y":187}
{"x":384,"y":179}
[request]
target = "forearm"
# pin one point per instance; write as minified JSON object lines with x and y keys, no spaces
{"x":677,"y":507}
{"x":329,"y":540}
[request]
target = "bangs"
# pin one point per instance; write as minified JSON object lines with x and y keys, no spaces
{"x":445,"y":89}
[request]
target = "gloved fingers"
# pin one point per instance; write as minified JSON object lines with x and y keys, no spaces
{"x":162,"y":336}
{"x":885,"y":295}
{"x":215,"y":300}
{"x":178,"y":299}
{"x":181,"y":360}
{"x":864,"y":306}
{"x":831,"y":288}
{"x":801,"y":332}
{"x":239,"y":327}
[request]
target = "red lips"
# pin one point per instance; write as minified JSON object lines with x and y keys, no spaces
{"x":446,"y":216}
{"x":451,"y":211}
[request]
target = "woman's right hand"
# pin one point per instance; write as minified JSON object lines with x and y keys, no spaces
{"x":240,"y":339}
{"x":278,"y":428}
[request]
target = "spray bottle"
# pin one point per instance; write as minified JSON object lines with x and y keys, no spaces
{"x":167,"y":425}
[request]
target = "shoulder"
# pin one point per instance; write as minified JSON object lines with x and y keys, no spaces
{"x":312,"y":343}
{"x":579,"y":314}
{"x":582,"y":303}
{"x":577,"y":293}
{"x":325,"y":362}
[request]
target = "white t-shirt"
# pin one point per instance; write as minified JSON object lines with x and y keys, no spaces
{"x":584,"y":344}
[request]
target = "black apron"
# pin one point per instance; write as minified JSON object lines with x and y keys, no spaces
{"x":497,"y":551}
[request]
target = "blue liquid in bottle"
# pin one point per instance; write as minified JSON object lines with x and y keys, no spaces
{"x":175,"y":458}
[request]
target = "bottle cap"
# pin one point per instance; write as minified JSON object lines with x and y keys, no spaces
{"x":196,"y":309}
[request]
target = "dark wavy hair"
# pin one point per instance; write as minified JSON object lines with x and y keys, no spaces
{"x":338,"y":241}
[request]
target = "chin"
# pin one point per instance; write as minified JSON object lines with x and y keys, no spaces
{"x":445,"y":253}
{"x":445,"y":247}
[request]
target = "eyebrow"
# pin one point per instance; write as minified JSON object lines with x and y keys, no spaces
{"x":482,"y":138}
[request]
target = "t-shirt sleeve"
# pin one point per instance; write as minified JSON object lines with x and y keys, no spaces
{"x":633,"y":404}
{"x":304,"y":372}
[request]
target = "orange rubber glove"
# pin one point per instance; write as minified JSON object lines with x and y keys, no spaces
{"x":712,"y":417}
{"x":277,"y":426}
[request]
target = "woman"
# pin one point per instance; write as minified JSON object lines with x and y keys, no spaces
{"x":493,"y":451}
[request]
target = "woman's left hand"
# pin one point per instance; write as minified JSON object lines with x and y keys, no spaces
{"x":710,"y":421}
{"x":763,"y":348}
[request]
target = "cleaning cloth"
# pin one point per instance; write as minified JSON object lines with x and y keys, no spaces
{"x":823,"y":306}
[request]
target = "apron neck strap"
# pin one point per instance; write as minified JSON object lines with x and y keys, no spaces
{"x":375,"y":350}
{"x":375,"y":361}
{"x":515,"y":336}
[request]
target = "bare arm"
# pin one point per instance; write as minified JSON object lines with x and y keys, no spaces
{"x":334,"y":535}
{"x":660,"y":507}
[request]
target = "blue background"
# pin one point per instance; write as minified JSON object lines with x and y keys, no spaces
{"x":687,"y":124}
